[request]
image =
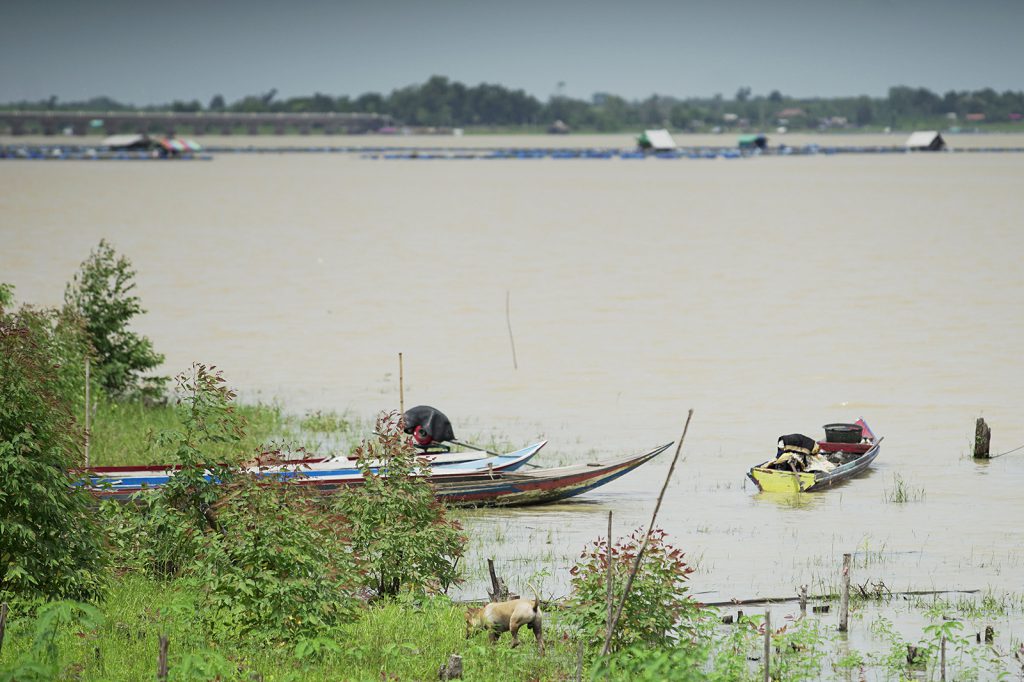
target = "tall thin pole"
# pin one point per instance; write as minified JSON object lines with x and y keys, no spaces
{"x":767,"y":645}
{"x":608,"y":633}
{"x":88,"y":409}
{"x":401,"y":385}
{"x":647,"y":538}
{"x":508,"y":321}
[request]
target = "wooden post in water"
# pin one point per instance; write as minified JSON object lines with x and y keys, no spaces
{"x":803,"y":600}
{"x":844,"y":598}
{"x":3,"y":623}
{"x":161,"y":661}
{"x":87,"y":410}
{"x":767,"y":645}
{"x":401,"y":386}
{"x":982,"y":437}
{"x":608,"y":625}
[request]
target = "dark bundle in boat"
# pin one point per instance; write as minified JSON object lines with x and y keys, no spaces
{"x":427,"y":426}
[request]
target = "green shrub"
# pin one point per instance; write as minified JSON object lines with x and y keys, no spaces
{"x":658,"y":609}
{"x":399,"y":531}
{"x":49,"y":543}
{"x":101,"y":293}
{"x":278,"y":568}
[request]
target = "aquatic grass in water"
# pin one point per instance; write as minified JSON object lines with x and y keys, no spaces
{"x":902,"y":492}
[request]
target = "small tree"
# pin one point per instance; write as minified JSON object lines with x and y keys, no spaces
{"x":399,"y":531}
{"x":49,"y":543}
{"x":101,"y":292}
{"x":658,"y":608}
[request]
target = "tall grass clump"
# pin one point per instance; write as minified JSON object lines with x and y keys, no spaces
{"x":902,"y":492}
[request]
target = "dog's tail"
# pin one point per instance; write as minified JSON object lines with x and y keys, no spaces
{"x":536,"y":595}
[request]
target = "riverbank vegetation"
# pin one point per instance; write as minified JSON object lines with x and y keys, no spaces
{"x":443,"y":103}
{"x":220,"y":576}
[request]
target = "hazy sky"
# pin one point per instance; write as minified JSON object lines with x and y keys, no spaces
{"x":146,"y":52}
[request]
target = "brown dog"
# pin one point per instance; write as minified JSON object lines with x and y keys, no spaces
{"x":502,"y":616}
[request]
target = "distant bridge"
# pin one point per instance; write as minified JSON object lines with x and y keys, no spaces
{"x":197,"y":123}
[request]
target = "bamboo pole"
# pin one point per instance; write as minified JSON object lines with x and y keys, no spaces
{"x":87,"y":410}
{"x":608,"y":624}
{"x":647,"y":537}
{"x":767,"y":645}
{"x":844,"y":598}
{"x":508,"y":321}
{"x":401,"y":386}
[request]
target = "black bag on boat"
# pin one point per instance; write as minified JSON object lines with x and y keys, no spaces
{"x":432,"y":423}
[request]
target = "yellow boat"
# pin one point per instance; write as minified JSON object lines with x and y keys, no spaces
{"x":849,"y":460}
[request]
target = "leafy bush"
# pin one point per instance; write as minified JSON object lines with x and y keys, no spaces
{"x":399,"y":530}
{"x":101,"y":293}
{"x":658,"y":608}
{"x":162,"y":533}
{"x":277,"y":569}
{"x":40,"y":662}
{"x":49,"y":543}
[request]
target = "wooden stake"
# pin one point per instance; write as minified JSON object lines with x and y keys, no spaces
{"x":982,"y":438}
{"x":844,"y":599}
{"x":608,"y":623}
{"x":499,"y":591}
{"x":579,"y":661}
{"x":508,"y":321}
{"x":942,"y":660}
{"x":88,"y":408}
{"x":3,"y":623}
{"x":401,"y":386}
{"x":767,"y":645}
{"x":647,"y":537}
{"x":161,"y":661}
{"x":803,"y":600}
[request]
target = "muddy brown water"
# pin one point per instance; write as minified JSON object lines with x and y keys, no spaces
{"x":772,"y":295}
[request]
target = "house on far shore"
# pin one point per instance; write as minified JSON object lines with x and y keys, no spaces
{"x":656,"y":141}
{"x":123,"y":143}
{"x":925,"y":141}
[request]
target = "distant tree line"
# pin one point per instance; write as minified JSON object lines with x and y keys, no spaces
{"x":440,"y":102}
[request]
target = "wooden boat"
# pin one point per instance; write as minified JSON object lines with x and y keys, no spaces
{"x":510,"y":489}
{"x":339,"y":463}
{"x":123,"y":482}
{"x":850,"y":459}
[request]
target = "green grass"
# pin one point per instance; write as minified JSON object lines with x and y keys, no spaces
{"x":126,"y":433}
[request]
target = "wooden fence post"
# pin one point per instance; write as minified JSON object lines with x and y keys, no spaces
{"x":3,"y":623}
{"x":161,"y":661}
{"x":942,"y":660}
{"x":767,"y":645}
{"x":844,"y":598}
